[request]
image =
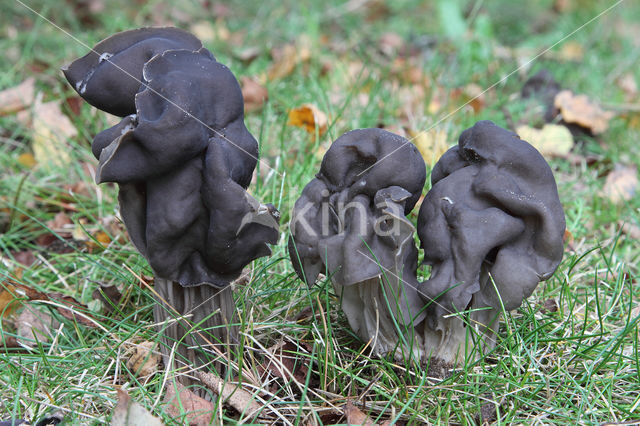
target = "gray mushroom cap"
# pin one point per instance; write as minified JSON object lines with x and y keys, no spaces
{"x":493,"y":214}
{"x":369,"y":179}
{"x":110,"y":75}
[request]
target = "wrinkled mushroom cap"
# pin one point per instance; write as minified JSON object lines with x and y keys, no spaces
{"x":493,"y":212}
{"x":110,"y":75}
{"x":367,"y":177}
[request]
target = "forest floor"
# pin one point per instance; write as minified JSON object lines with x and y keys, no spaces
{"x":426,"y":70}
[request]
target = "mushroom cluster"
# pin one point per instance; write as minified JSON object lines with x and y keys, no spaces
{"x":182,"y":158}
{"x":491,"y":229}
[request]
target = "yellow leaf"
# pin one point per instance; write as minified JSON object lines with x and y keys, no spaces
{"x":27,"y":160}
{"x":578,"y":109}
{"x":309,"y":117}
{"x":431,"y":144}
{"x":51,"y":133}
{"x":553,"y":140}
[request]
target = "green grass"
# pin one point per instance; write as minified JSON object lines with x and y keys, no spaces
{"x":579,"y":364}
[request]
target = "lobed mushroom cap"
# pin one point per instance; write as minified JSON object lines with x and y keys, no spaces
{"x":110,"y":75}
{"x":493,"y":214}
{"x":369,"y":179}
{"x":182,"y":155}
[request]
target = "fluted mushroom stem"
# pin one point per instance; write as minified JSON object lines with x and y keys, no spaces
{"x":201,"y":323}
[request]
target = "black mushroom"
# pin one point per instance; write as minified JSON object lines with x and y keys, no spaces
{"x":350,"y":224}
{"x":491,"y":228}
{"x":182,"y":158}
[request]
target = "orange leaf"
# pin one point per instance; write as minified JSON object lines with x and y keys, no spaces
{"x":309,"y":117}
{"x":578,"y":109}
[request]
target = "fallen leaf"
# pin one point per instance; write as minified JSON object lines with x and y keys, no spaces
{"x":309,"y":117}
{"x":246,"y":54}
{"x":431,"y":144}
{"x":631,"y":230}
{"x":628,"y":84}
{"x":580,"y":110}
{"x":205,"y":31}
{"x":24,"y":257}
{"x":553,"y":140}
{"x":130,"y":413}
{"x":69,"y":306}
{"x":621,"y":184}
{"x":355,"y":416}
{"x":109,"y":295}
{"x":17,"y":98}
{"x":145,"y":360}
{"x":254,"y":94}
{"x":27,"y":160}
{"x":571,"y":51}
{"x":59,"y":224}
{"x":7,"y":296}
{"x":549,"y":306}
{"x":187,"y":406}
{"x":286,"y":59}
{"x":33,"y":326}
{"x":568,"y":240}
{"x":474,"y":95}
{"x":234,"y":395}
{"x":285,"y":363}
{"x":51,"y":132}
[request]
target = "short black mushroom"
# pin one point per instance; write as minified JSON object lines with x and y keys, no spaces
{"x":182,"y":158}
{"x":350,"y":224}
{"x":491,"y":228}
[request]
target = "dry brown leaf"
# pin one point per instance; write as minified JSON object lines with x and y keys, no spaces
{"x":286,"y":59}
{"x":33,"y":325}
{"x":109,"y":295}
{"x":631,"y":230}
{"x":59,"y":224}
{"x":580,"y":110}
{"x":284,"y":363}
{"x":187,"y":406}
{"x":309,"y":117}
{"x":7,"y":296}
{"x":431,"y":144}
{"x":17,"y":98}
{"x":130,"y":413}
{"x":553,"y":140}
{"x":355,"y":416}
{"x":254,"y":94}
{"x":69,"y":308}
{"x":621,"y":184}
{"x":241,"y":400}
{"x":145,"y":360}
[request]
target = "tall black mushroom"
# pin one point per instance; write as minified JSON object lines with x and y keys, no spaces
{"x":182,"y":158}
{"x":491,"y":228}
